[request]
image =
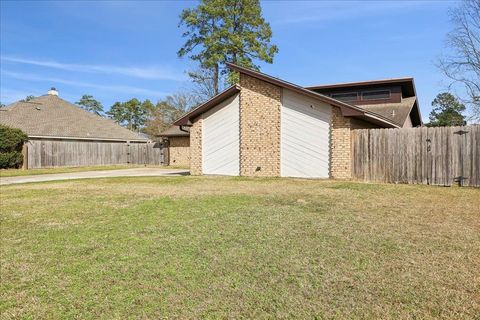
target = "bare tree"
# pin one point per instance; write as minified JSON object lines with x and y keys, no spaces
{"x":166,"y":111}
{"x":463,"y":65}
{"x":204,"y":84}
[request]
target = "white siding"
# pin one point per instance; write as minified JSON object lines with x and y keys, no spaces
{"x":305,"y":134}
{"x":220,"y":139}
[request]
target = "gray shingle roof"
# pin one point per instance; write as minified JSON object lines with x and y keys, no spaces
{"x":51,"y":116}
{"x":396,"y":112}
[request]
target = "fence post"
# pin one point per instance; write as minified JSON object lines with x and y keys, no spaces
{"x":128,"y":152}
{"x":25,"y":155}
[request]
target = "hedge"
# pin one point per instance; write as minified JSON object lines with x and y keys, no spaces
{"x":11,"y":143}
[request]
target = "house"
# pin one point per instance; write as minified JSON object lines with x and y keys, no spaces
{"x":265,"y":126}
{"x":63,"y":134}
{"x":394,"y":99}
{"x":178,"y":144}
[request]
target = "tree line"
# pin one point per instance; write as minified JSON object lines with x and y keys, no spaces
{"x":220,"y":31}
{"x":143,"y":116}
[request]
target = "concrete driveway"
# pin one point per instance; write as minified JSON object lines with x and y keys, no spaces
{"x":135,"y":172}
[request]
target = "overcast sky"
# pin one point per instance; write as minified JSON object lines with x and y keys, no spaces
{"x":116,"y":50}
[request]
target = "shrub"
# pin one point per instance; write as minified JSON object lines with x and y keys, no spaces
{"x":12,"y":159}
{"x":11,"y":143}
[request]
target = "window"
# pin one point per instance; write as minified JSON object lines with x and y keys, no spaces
{"x":376,"y":95}
{"x":350,"y":96}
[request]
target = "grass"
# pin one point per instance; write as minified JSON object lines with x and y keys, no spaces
{"x":30,"y":172}
{"x":211,"y":247}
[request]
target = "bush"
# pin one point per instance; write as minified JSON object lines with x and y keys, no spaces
{"x":12,"y":159}
{"x":11,"y":143}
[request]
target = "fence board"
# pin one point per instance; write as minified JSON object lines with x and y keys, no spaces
{"x":417,"y":155}
{"x":75,"y":153}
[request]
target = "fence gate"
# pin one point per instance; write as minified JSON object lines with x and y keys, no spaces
{"x":437,"y":156}
{"x":154,"y":153}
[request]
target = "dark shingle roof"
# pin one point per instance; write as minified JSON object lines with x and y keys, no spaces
{"x":396,"y":112}
{"x":51,"y":116}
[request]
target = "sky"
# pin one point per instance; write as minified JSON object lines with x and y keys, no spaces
{"x":117,"y":50}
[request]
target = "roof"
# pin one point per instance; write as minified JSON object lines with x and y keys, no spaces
{"x":406,"y":83}
{"x":374,"y":114}
{"x":49,"y":116}
{"x":347,"y":109}
{"x":174,"y":131}
{"x":185,"y":120}
{"x":396,"y":112}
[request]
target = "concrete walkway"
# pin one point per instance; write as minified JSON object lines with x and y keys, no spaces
{"x":136,"y":172}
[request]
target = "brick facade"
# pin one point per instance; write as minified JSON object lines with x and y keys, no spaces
{"x":340,"y":146}
{"x":179,"y":151}
{"x":260,"y":110}
{"x":196,"y":147}
{"x":260,"y":104}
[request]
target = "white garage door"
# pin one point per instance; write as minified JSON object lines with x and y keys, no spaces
{"x":220,"y":139}
{"x":305,"y":133}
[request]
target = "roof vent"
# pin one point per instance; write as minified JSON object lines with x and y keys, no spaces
{"x":52,"y":92}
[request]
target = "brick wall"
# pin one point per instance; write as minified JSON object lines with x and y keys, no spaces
{"x":260,"y":104}
{"x":340,"y":146}
{"x":179,"y":151}
{"x":196,"y":147}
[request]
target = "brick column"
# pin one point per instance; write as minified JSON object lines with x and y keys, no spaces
{"x":340,"y":146}
{"x":196,"y":147}
{"x":260,"y":104}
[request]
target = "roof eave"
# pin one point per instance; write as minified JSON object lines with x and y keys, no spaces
{"x":289,"y":85}
{"x":185,"y":120}
{"x":381,"y":121}
{"x":346,"y":109}
{"x":361,"y":83}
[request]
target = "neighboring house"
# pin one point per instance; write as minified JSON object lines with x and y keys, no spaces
{"x":265,"y":126}
{"x":178,"y":144}
{"x":58,"y":132}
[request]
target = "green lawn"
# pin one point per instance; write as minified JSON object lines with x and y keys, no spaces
{"x":210,"y":247}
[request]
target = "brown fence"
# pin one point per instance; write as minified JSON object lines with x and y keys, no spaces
{"x":439,"y":156}
{"x":76,"y":153}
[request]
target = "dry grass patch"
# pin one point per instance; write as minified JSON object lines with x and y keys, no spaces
{"x":212,"y":247}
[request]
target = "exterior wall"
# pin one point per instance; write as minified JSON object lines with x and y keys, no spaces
{"x":395,"y":93}
{"x":260,"y":104}
{"x":220,"y":138}
{"x":340,"y":146}
{"x":360,"y":124}
{"x":196,"y":147}
{"x":305,"y":136}
{"x":179,"y":151}
{"x":260,"y":133}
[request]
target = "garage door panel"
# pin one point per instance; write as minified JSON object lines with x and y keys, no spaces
{"x":314,"y":115}
{"x":305,"y":134}
{"x":299,"y":152}
{"x":220,"y":139}
{"x":303,"y":107}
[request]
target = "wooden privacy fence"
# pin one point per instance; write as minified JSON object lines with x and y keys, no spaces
{"x":438,"y":156}
{"x":76,"y":153}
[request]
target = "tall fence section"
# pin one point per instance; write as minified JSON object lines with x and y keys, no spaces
{"x":437,"y":156}
{"x":75,"y":153}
